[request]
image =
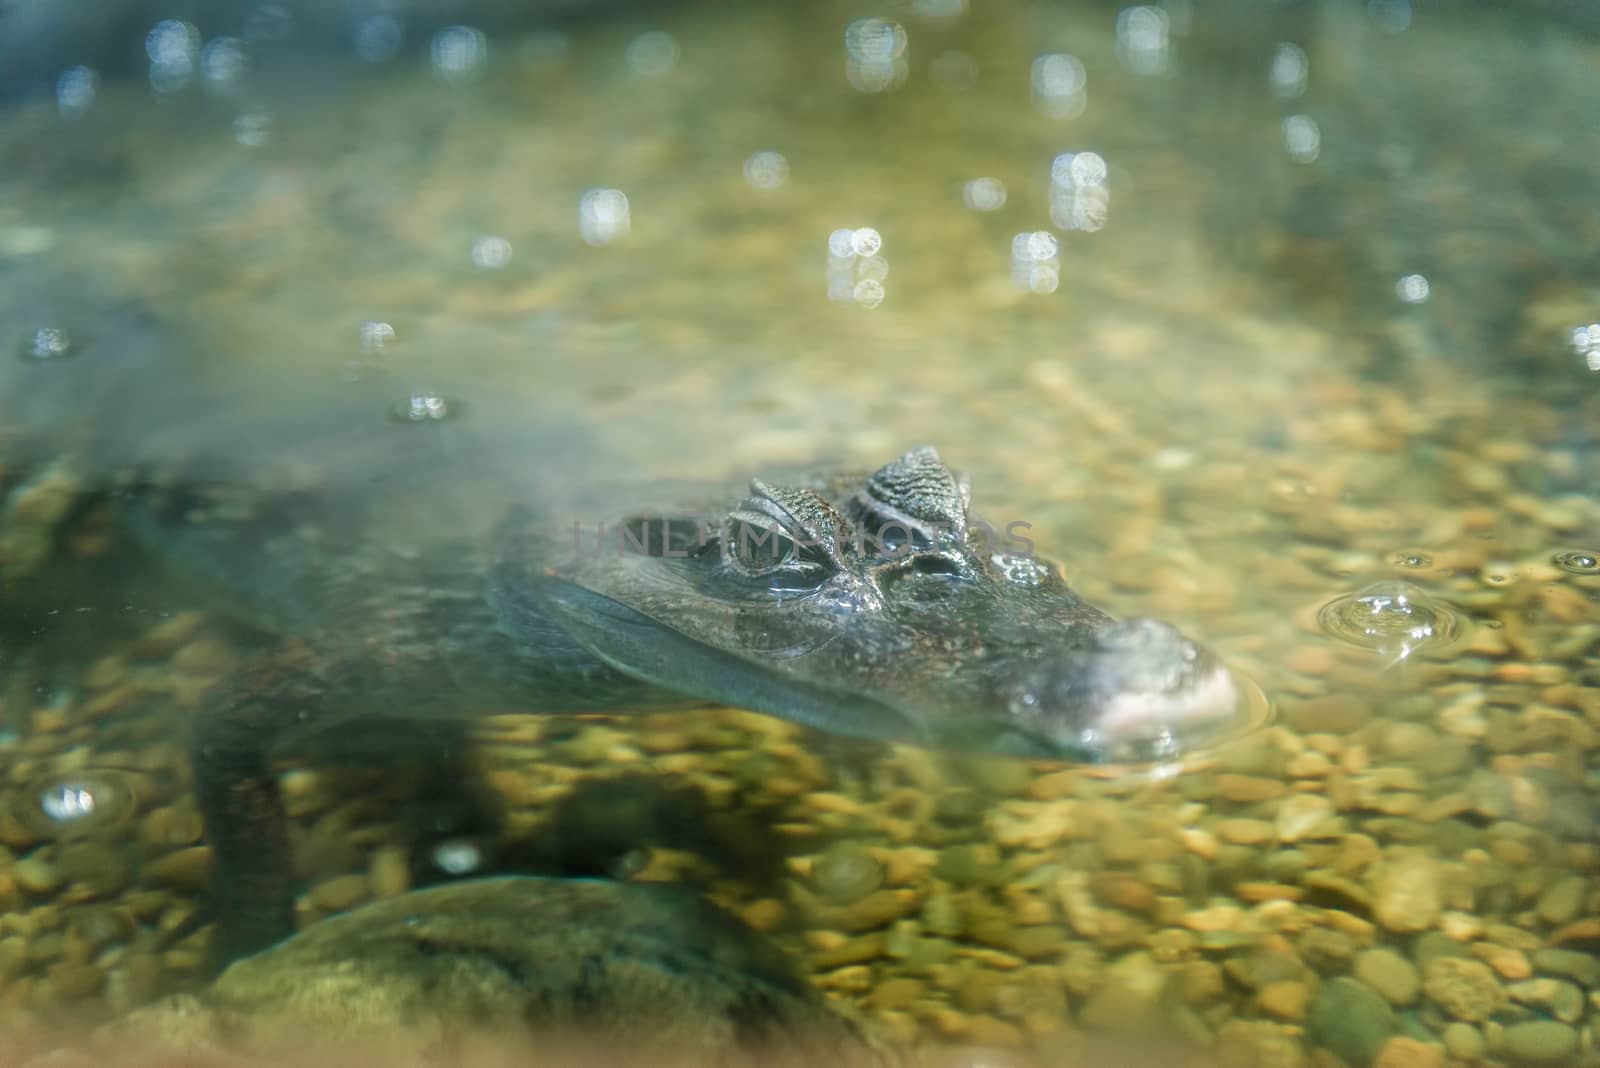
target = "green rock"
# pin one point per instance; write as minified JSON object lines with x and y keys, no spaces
{"x":1351,"y":1019}
{"x":1563,"y":900}
{"x":1582,"y":968}
{"x":1390,"y":974}
{"x":617,"y":966}
{"x":1540,"y":1042}
{"x":846,"y":872}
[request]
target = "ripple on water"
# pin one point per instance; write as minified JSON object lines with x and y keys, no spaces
{"x":1392,"y":617}
{"x":1578,"y":561}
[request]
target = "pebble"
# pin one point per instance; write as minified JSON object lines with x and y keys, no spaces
{"x":846,"y":872}
{"x":1562,"y":900}
{"x":1539,"y":1042}
{"x":1464,"y":1042}
{"x":1584,"y":968}
{"x":389,"y":871}
{"x":1465,"y":989}
{"x":878,"y":909}
{"x":37,"y":875}
{"x":1407,"y":893}
{"x":1403,"y":1052}
{"x":1508,"y":963}
{"x":1351,"y":1019}
{"x":339,"y":893}
{"x":1285,"y":999}
{"x":1390,"y":974}
{"x":1299,"y":815}
{"x":186,"y":869}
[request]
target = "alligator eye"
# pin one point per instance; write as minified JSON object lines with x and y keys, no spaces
{"x":763,"y":550}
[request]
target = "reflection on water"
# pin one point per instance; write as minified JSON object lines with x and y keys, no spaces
{"x":1272,"y":322}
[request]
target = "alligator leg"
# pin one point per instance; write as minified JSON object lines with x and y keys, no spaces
{"x":252,"y":890}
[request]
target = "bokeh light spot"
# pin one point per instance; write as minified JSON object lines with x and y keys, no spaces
{"x":603,"y":216}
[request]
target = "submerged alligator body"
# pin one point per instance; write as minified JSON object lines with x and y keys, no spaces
{"x":870,"y":606}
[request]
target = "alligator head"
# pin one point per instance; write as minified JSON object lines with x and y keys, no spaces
{"x":880,"y":607}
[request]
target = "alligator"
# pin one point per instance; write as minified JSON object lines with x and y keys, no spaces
{"x":872,"y":606}
{"x":383,"y":584}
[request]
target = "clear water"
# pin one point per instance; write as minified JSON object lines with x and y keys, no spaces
{"x":1254,"y":314}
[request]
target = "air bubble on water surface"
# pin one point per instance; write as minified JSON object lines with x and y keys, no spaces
{"x":1059,"y":82}
{"x":1302,"y":138}
{"x":1035,"y":261}
{"x":1586,"y":343}
{"x":868,"y":293}
{"x":459,"y":52}
{"x":174,"y":49}
{"x":425,"y":406}
{"x":75,"y":91}
{"x":490,"y":253}
{"x":1289,"y":72}
{"x":652,"y":54}
{"x":1143,"y":37}
{"x":766,"y":170}
{"x":984,"y":194}
{"x":875,"y":55}
{"x":1578,"y":561}
{"x":45,"y":344}
{"x":223,"y":62}
{"x":67,"y":803}
{"x":866,"y":241}
{"x":375,"y":335}
{"x":604,"y":216}
{"x":1080,"y":198}
{"x":1412,"y":289}
{"x":1392,"y":617}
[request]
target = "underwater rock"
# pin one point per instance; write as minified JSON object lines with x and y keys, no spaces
{"x":557,"y":968}
{"x":1351,"y":1019}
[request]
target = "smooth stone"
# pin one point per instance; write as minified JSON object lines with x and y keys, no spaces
{"x":1285,"y":999}
{"x":36,"y":875}
{"x":846,"y":872}
{"x":1539,"y":1042}
{"x":186,"y":869}
{"x":1562,"y":900}
{"x":877,"y":909}
{"x":611,"y":966}
{"x":339,"y":893}
{"x":1390,"y":974}
{"x":1408,"y":893}
{"x":1583,"y":968}
{"x":1351,"y":1019}
{"x":1464,"y":1042}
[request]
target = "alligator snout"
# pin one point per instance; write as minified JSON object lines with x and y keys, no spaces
{"x":1139,"y":691}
